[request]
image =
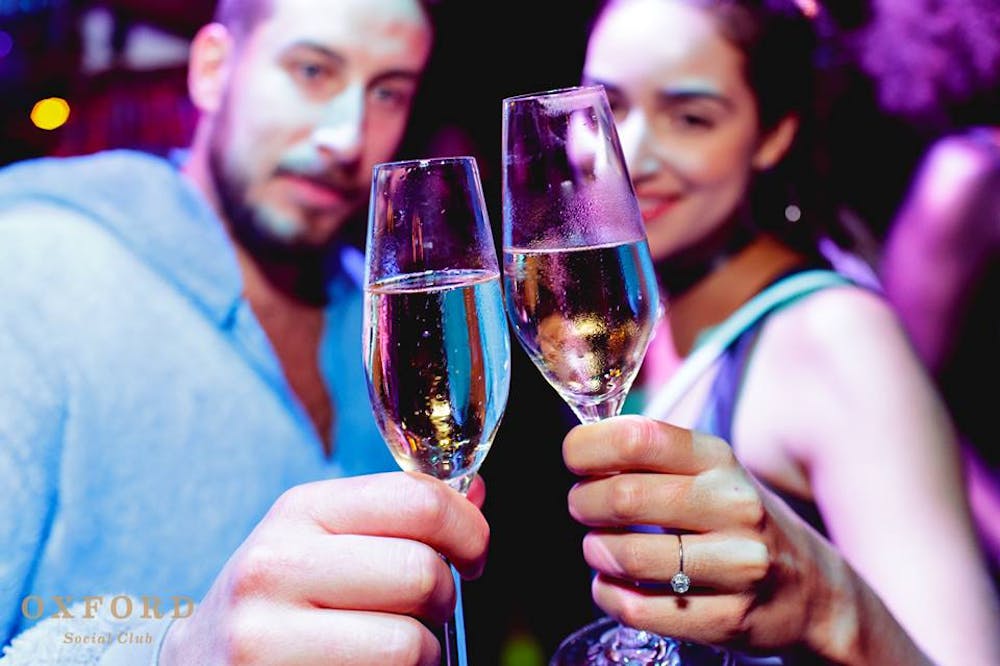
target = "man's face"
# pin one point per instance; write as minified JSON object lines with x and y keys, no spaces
{"x":319,"y":92}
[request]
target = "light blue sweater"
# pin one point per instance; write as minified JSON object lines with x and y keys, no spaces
{"x":145,"y":423}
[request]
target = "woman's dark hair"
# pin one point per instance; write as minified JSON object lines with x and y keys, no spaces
{"x":782,"y":45}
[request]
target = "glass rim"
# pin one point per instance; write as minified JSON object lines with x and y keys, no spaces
{"x":581,"y":90}
{"x":425,"y":161}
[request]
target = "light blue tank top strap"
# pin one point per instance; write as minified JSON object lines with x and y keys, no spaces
{"x":722,"y":336}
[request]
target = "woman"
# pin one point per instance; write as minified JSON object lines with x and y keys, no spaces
{"x":828,"y":410}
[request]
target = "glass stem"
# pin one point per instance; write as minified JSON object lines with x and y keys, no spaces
{"x":455,"y":653}
{"x":602,"y":410}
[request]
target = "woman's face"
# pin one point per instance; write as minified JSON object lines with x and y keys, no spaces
{"x":686,"y":117}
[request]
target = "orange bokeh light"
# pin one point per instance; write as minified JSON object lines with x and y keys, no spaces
{"x":50,"y":113}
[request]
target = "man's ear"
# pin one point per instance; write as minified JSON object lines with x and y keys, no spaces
{"x":776,"y":143}
{"x":208,"y":66}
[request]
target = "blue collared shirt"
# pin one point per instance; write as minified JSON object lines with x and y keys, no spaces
{"x":145,"y":422}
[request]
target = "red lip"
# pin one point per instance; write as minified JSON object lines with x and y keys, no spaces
{"x":653,"y":207}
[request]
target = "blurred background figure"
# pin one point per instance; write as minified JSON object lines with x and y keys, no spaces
{"x":933,"y":71}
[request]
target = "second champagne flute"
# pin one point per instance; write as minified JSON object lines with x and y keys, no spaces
{"x":580,"y":289}
{"x":579,"y":283}
{"x":581,"y":293}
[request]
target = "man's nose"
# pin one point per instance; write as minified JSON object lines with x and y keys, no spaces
{"x":340,"y":129}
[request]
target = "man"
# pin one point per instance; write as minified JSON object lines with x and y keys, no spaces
{"x":179,"y":349}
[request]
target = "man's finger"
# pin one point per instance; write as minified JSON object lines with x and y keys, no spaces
{"x":318,"y":637}
{"x":347,"y":571}
{"x":396,"y":504}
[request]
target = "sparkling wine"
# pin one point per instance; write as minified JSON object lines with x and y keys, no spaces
{"x":585,"y":316}
{"x":437,"y":357}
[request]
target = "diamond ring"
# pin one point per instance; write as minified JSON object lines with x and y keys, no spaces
{"x":680,"y":582}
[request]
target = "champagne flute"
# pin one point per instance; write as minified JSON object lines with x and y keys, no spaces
{"x":436,"y":348}
{"x":580,"y":289}
{"x":581,"y":293}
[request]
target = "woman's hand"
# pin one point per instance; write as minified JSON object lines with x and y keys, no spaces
{"x":761,"y":578}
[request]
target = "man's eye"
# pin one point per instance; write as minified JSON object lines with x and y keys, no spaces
{"x":311,"y":71}
{"x":312,"y":75}
{"x":391,"y":97}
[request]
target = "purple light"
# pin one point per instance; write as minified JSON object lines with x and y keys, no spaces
{"x":6,"y":44}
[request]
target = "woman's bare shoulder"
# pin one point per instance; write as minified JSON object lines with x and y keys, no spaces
{"x":834,"y":321}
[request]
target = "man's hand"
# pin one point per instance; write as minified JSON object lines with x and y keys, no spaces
{"x":345,"y":571}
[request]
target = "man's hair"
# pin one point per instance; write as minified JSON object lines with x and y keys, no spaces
{"x":241,"y":16}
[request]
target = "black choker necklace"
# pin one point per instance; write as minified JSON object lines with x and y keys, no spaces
{"x":676,"y":274}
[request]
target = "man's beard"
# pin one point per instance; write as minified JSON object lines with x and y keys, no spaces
{"x":296,"y":267}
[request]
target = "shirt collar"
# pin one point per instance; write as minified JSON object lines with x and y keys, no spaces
{"x":160,"y":215}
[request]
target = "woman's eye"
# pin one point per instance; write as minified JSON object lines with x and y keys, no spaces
{"x":618,"y":108}
{"x":695,"y":121}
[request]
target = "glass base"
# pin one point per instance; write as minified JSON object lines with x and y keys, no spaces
{"x":608,"y":643}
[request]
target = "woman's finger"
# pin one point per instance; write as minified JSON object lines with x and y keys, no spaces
{"x":719,"y":499}
{"x":711,"y":561}
{"x":637,"y":443}
{"x":720,"y":619}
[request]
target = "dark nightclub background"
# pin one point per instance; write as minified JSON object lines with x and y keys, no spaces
{"x":121,"y":66}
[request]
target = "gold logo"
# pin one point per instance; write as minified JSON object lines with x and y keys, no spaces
{"x":120,"y":606}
